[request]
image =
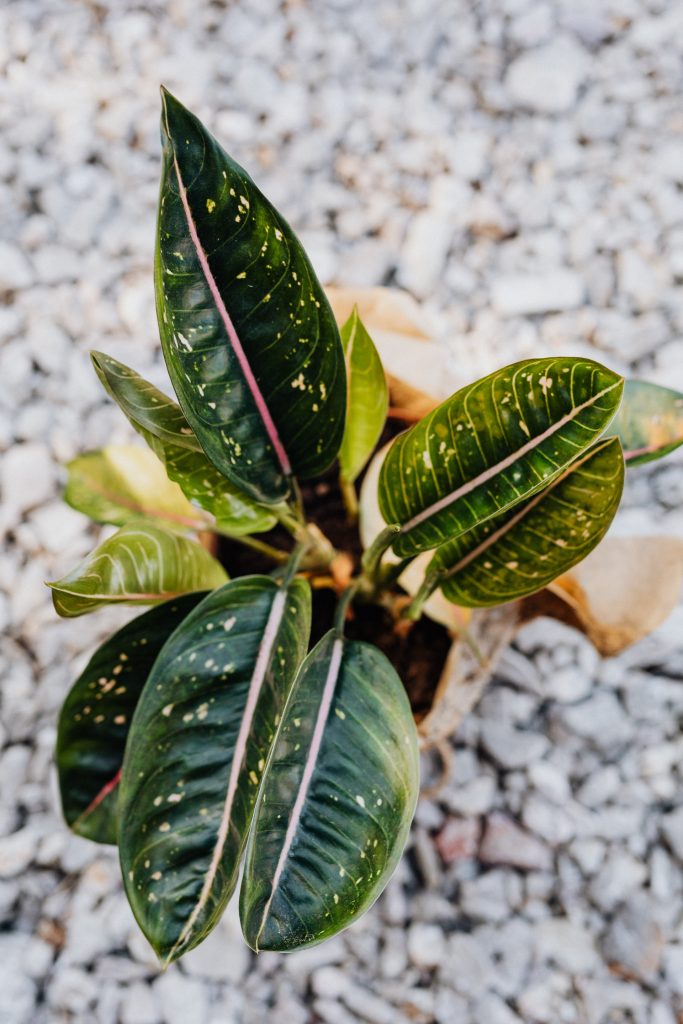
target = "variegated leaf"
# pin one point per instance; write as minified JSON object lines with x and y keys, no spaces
{"x":492,"y":445}
{"x":526,"y":548}
{"x":250,"y":342}
{"x":162,"y":424}
{"x":336,"y":801}
{"x":123,"y":482}
{"x":96,"y":716}
{"x":649,"y":421}
{"x":196,"y":753}
{"x":140,"y":564}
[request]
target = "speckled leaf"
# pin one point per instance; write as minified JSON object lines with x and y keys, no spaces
{"x":249,"y":338}
{"x":140,"y":564}
{"x":163,"y":425}
{"x":196,"y":752}
{"x":336,"y":802}
{"x":123,"y":482}
{"x":527,"y":547}
{"x":649,"y":421}
{"x":492,"y":445}
{"x":96,"y":715}
{"x":368,"y":398}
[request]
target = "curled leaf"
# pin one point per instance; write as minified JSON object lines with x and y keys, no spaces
{"x":140,"y":564}
{"x":367,"y":398}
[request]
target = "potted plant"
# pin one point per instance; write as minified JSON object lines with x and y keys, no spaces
{"x":261,"y":718}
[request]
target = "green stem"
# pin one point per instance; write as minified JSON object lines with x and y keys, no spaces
{"x":343,"y":605}
{"x":429,"y":585}
{"x":276,"y":554}
{"x":320,"y":551}
{"x":350,"y":497}
{"x":373,"y":556}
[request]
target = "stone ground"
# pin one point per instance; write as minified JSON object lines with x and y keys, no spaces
{"x":518,"y":166}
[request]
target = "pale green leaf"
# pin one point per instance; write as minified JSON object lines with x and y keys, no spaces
{"x":367,"y":398}
{"x":123,"y":482}
{"x":140,"y":564}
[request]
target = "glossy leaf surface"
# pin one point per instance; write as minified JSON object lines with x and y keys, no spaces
{"x":96,"y":716}
{"x":163,"y":425}
{"x":368,"y":398}
{"x":196,"y":753}
{"x":492,"y":445}
{"x":649,"y":421}
{"x":123,"y":482}
{"x":140,"y":564}
{"x":250,"y":342}
{"x":527,"y":547}
{"x":336,"y":802}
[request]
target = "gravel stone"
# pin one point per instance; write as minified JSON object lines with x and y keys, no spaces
{"x":532,"y":203}
{"x":547,"y":79}
{"x":505,"y":842}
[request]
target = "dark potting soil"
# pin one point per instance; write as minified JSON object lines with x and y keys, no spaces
{"x":418,"y":656}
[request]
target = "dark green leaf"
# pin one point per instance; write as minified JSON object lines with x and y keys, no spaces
{"x":162,"y":424}
{"x":96,"y":716}
{"x":140,"y":564}
{"x":196,"y":753}
{"x":124,"y":482}
{"x":250,"y":341}
{"x":368,"y":398}
{"x":492,"y":445}
{"x":527,"y":547}
{"x":649,"y":421}
{"x":336,"y":802}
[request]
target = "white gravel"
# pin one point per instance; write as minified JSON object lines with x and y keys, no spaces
{"x":518,"y":165}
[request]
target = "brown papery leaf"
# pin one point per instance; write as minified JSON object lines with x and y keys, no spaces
{"x":623,"y":590}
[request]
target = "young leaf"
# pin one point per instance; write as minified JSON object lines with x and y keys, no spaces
{"x":368,"y":398}
{"x":492,"y":445}
{"x":197,"y":748}
{"x":162,"y":424}
{"x":123,"y":482}
{"x":527,"y":547}
{"x":250,"y":342}
{"x":149,"y":410}
{"x":96,"y":715}
{"x":336,"y":801}
{"x":140,"y":564}
{"x":649,"y":421}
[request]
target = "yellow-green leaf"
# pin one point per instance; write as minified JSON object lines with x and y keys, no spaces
{"x":649,"y":421}
{"x":140,"y":564}
{"x":367,"y":398}
{"x":123,"y":482}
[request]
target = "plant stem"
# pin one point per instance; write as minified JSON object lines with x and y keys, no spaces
{"x":373,"y":556}
{"x":276,"y":554}
{"x":350,"y":497}
{"x":343,"y":605}
{"x":320,"y":551}
{"x":429,"y":585}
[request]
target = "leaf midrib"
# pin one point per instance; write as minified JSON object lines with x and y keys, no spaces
{"x":506,"y":463}
{"x":231,"y":331}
